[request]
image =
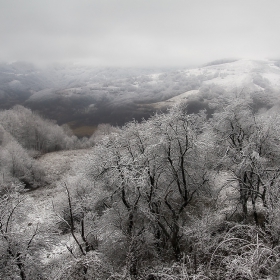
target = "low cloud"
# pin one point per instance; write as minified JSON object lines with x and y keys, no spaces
{"x":137,"y":33}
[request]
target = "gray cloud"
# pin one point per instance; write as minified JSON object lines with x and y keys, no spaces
{"x":138,"y":32}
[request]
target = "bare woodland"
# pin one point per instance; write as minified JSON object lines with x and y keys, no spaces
{"x":176,"y":196}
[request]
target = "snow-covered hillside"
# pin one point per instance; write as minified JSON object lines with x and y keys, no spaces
{"x":242,"y":77}
{"x":89,"y":96}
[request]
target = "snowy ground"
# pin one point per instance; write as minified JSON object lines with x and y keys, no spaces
{"x":174,"y":100}
{"x":44,"y":202}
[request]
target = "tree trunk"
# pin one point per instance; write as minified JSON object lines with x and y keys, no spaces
{"x":20,"y":265}
{"x":244,"y":200}
{"x":175,"y":242}
{"x":244,"y":209}
{"x":256,"y":218}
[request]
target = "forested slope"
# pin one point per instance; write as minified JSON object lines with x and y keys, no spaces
{"x":177,"y":196}
{"x":25,"y":136}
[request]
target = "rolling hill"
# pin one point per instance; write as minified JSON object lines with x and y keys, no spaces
{"x":85,"y":96}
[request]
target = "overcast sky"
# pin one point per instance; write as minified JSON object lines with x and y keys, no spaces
{"x":138,"y":32}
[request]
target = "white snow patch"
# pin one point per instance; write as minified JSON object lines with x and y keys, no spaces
{"x":176,"y":99}
{"x":231,"y":81}
{"x":273,"y":78}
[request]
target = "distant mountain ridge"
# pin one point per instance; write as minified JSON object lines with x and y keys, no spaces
{"x":82,"y":95}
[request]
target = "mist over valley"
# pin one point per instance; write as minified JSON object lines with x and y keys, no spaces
{"x":84,"y":96}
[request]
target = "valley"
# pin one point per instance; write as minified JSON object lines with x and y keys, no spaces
{"x":86,"y":97}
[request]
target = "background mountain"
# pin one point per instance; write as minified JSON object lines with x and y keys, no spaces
{"x":84,"y":97}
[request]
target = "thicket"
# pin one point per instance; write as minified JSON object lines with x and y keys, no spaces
{"x":25,"y":136}
{"x":177,"y":196}
{"x":35,"y":133}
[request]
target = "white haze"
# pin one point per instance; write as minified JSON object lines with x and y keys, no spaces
{"x":139,"y":32}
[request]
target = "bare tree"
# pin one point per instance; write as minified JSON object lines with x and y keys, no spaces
{"x":17,"y":247}
{"x":247,"y":150}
